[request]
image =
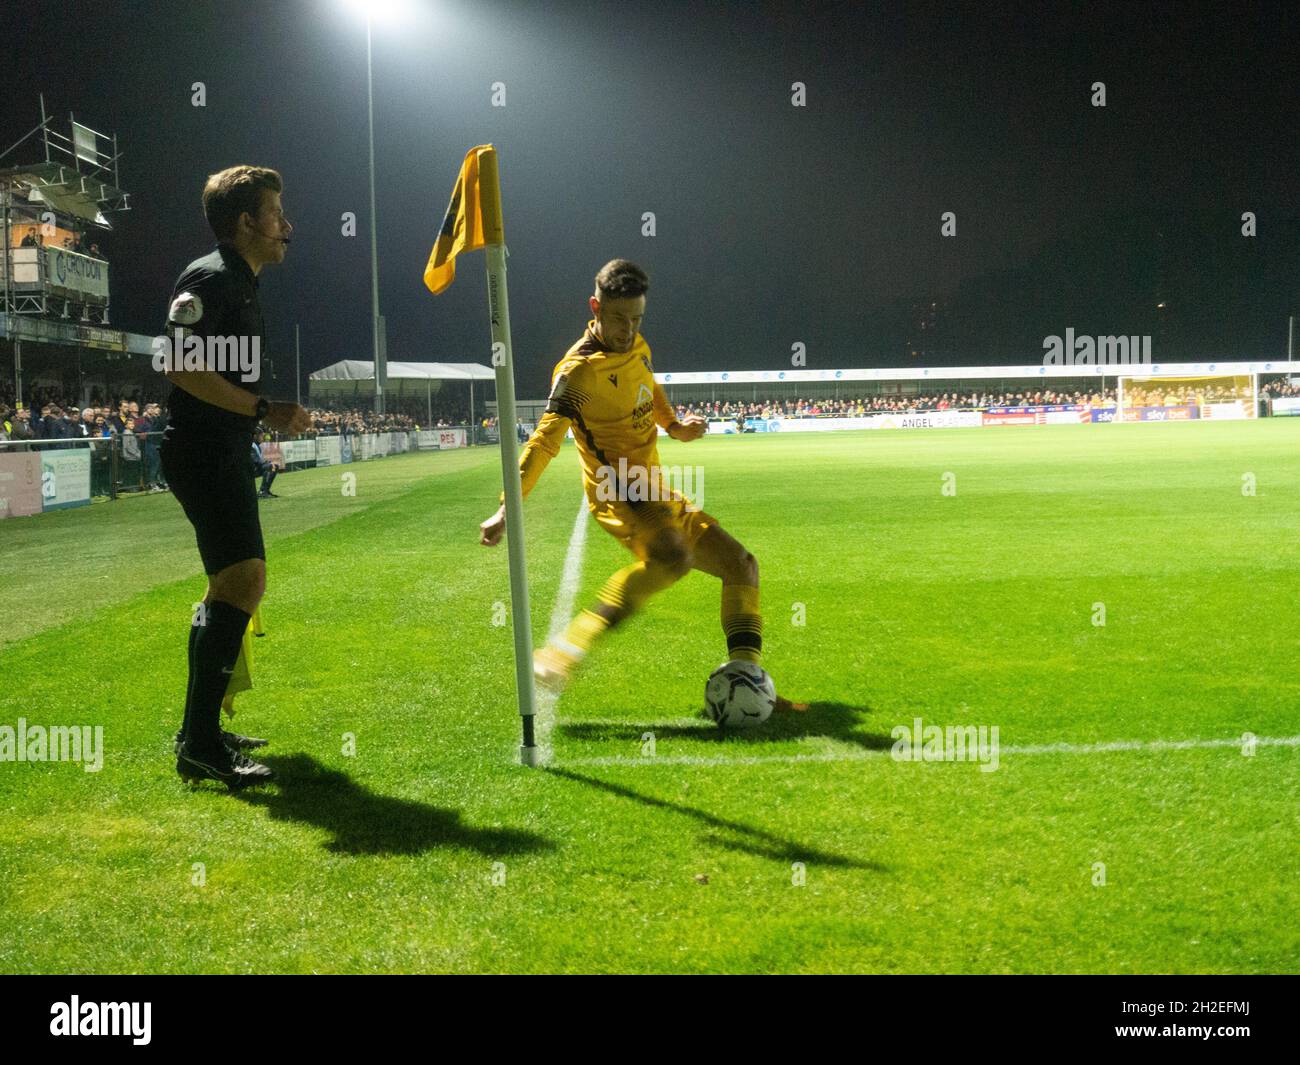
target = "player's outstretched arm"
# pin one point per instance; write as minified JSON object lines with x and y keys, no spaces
{"x":542,"y":446}
{"x":491,"y":531}
{"x":692,"y":427}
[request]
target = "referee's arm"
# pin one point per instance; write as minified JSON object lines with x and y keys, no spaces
{"x":211,"y":387}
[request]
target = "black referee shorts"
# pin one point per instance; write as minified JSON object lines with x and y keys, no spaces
{"x":213,"y":479}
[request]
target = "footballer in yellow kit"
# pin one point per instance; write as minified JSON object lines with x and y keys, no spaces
{"x":604,"y":388}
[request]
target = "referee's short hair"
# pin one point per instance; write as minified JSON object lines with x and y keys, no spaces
{"x":231,"y":192}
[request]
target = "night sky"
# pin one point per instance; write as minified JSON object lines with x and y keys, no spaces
{"x":775,"y":223}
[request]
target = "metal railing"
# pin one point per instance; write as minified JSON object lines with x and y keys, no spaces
{"x":129,"y":462}
{"x":126,"y":463}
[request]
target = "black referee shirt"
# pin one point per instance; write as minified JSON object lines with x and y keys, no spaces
{"x":216,"y":296}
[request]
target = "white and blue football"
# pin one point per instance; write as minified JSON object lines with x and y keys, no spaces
{"x":739,"y":695}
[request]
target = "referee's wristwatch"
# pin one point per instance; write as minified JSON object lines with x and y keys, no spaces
{"x":263,"y":405}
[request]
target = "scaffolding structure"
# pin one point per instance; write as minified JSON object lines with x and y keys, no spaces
{"x":51,"y":204}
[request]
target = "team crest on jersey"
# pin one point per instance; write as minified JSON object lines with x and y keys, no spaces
{"x":186,"y":309}
{"x":644,"y":395}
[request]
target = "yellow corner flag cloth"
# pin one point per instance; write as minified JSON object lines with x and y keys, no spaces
{"x":462,"y":228}
{"x":241,"y":679}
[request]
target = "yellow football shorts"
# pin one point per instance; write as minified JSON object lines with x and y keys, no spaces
{"x":635,"y":526}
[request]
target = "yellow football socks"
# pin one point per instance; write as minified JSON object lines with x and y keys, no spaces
{"x":742,"y":624}
{"x":620,"y":597}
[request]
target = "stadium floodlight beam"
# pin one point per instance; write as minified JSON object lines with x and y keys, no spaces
{"x":383,"y":10}
{"x":381,"y":360}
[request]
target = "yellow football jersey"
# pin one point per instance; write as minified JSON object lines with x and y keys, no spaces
{"x":614,"y":405}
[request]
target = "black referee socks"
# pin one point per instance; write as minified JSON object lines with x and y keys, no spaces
{"x":195,"y":629}
{"x":216,"y":650}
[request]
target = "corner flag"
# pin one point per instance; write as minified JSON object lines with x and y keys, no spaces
{"x":473,"y":220}
{"x":463,"y":227}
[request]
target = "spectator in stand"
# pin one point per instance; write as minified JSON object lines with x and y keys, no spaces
{"x":148,"y":428}
{"x":76,"y":427}
{"x":57,"y":426}
{"x":21,"y":428}
{"x":131,"y":455}
{"x":62,"y":427}
{"x":265,"y":470}
{"x":29,"y":239}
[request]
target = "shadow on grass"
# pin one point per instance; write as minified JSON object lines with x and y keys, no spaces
{"x":837,"y":721}
{"x":745,"y":838}
{"x":363,"y":822}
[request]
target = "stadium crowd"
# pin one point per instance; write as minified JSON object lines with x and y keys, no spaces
{"x":52,"y":421}
{"x":1185,"y":396}
{"x":356,"y":422}
{"x":891,"y":404}
{"x":52,"y":416}
{"x":1280,"y":387}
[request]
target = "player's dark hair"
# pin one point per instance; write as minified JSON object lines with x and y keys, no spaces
{"x":231,"y":192}
{"x":620,"y":279}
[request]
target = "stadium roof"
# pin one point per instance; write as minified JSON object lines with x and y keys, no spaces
{"x":66,"y":190}
{"x":359,"y":370}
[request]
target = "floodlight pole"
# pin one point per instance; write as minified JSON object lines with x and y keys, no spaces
{"x":499,"y":314}
{"x":380,"y":357}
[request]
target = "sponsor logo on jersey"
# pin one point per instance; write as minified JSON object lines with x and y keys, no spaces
{"x":644,"y":407}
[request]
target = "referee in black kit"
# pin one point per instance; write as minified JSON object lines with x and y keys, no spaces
{"x":212,"y":414}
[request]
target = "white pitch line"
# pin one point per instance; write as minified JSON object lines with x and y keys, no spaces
{"x":570,"y":578}
{"x":844,"y":754}
{"x":694,"y":724}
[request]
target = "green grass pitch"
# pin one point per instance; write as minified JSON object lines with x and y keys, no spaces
{"x":802,"y":846}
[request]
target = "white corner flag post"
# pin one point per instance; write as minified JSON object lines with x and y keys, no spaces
{"x":499,"y":314}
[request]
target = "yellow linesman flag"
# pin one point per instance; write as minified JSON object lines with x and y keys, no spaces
{"x":241,"y":679}
{"x":472,"y":220}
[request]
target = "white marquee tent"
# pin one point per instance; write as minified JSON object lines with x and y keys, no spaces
{"x":348,"y":379}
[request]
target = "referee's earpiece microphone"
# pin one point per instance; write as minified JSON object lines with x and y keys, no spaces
{"x":268,"y":236}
